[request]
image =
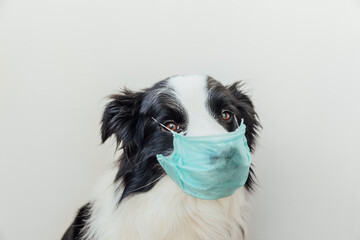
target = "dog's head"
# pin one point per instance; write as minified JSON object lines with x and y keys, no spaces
{"x":198,"y":105}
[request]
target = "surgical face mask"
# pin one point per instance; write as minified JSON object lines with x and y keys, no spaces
{"x":208,"y":167}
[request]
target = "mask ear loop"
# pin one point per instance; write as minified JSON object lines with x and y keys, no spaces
{"x":162,"y":125}
{"x":237,"y":122}
{"x":182,"y":133}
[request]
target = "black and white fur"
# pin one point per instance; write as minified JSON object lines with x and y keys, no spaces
{"x":137,"y":200}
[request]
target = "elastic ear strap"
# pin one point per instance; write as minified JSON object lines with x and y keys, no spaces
{"x":161,"y":124}
{"x":237,"y":122}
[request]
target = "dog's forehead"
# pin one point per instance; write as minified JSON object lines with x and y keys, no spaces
{"x":190,"y":89}
{"x":193,"y":94}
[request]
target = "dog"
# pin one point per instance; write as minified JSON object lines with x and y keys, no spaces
{"x":137,"y":199}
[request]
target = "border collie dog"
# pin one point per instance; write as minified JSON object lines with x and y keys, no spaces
{"x":137,"y":199}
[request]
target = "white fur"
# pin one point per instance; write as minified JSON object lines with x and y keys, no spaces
{"x":165,"y":212}
{"x":192,"y":93}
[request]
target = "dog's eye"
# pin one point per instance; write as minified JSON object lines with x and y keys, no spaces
{"x":226,"y":115}
{"x":172,"y":126}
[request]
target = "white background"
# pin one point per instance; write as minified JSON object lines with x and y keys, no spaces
{"x":59,"y":59}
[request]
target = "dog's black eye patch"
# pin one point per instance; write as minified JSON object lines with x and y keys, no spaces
{"x":138,"y":167}
{"x":164,"y":107}
{"x":220,"y":102}
{"x":170,"y":115}
{"x":173,"y":114}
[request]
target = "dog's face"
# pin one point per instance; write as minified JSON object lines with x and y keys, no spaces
{"x":197,"y":105}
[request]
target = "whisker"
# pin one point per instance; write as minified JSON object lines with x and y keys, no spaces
{"x":146,"y":184}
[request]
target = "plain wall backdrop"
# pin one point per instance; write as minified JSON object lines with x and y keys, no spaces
{"x":300,"y":60}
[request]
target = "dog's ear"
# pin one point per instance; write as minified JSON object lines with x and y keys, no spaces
{"x":121,"y":116}
{"x":247,"y":111}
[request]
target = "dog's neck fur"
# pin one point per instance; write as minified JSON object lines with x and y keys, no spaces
{"x":165,"y":212}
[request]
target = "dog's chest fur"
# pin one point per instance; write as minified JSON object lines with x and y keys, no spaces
{"x":165,"y":212}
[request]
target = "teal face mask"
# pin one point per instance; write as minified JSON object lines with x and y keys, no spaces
{"x":208,"y":167}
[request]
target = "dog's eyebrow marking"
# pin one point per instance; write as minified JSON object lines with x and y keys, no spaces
{"x":162,"y":94}
{"x":218,"y":97}
{"x":156,"y":93}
